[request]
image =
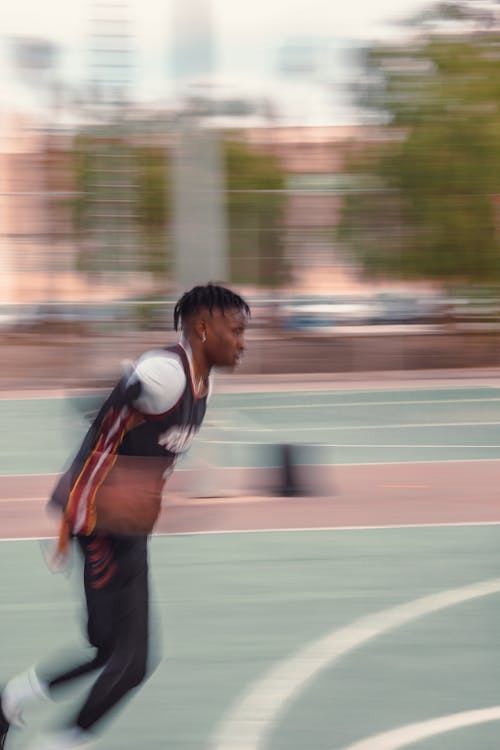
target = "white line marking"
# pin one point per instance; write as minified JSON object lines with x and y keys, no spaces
{"x":332,"y":404}
{"x":407,"y":735}
{"x":353,"y":445}
{"x":253,"y":716}
{"x":22,"y":499}
{"x":336,"y":428}
{"x":402,"y":463}
{"x":26,"y":538}
{"x":52,"y":394}
{"x":31,"y":476}
{"x":303,"y":395}
{"x":30,"y":606}
{"x":387,"y":527}
{"x":182,"y":469}
{"x":292,"y":529}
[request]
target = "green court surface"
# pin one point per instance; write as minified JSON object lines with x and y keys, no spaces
{"x":351,"y":426}
{"x":235,"y":608}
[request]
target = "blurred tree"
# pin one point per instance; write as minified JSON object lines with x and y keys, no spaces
{"x":254,"y":204}
{"x":122,"y":205}
{"x":434,"y":210}
{"x":153,"y":205}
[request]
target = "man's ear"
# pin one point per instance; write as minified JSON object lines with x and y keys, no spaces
{"x":201,"y":329}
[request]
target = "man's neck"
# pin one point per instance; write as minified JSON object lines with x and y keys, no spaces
{"x":200,"y":370}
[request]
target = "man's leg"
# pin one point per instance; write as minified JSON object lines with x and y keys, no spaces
{"x":99,"y":568}
{"x":4,"y":728}
{"x":101,"y":585}
{"x":127,"y":664}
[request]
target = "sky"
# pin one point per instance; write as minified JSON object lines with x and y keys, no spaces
{"x":250,"y":38}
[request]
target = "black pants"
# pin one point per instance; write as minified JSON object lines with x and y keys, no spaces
{"x":117,"y":598}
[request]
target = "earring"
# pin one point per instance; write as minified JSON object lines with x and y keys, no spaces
{"x":203,"y":337}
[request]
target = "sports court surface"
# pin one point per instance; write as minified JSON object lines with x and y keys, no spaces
{"x":368,"y":621}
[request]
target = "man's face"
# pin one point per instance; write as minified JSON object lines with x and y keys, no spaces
{"x":225,"y":337}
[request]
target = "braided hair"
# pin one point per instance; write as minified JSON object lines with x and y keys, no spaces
{"x":210,"y":296}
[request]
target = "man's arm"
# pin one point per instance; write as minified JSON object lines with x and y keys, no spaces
{"x":157,"y":382}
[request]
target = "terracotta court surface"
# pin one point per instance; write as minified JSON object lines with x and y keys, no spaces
{"x":366,"y":495}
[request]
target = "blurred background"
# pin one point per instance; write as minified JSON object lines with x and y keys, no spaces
{"x":338,"y":166}
{"x":337,"y":163}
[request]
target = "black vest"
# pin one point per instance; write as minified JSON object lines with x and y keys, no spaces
{"x":170,"y":434}
{"x":120,"y":429}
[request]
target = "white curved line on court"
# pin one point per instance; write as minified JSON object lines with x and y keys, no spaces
{"x":253,"y":716}
{"x":411,"y":733}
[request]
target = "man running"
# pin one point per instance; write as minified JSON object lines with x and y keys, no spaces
{"x":110,"y":499}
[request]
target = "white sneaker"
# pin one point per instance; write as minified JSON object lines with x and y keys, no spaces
{"x":64,"y":740}
{"x":24,"y":688}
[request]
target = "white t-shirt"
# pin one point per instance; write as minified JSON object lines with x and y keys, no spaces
{"x":162,"y":379}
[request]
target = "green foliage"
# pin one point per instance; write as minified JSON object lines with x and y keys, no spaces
{"x":82,"y":177}
{"x":254,"y":204}
{"x":437,"y":215}
{"x":122,"y":203}
{"x":153,"y":198}
{"x":254,"y":208}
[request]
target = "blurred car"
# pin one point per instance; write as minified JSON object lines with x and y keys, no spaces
{"x":60,"y":317}
{"x":16,"y":316}
{"x":326,"y":313}
{"x":474,"y":309}
{"x":395,"y":308}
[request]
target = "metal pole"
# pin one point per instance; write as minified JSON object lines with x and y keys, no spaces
{"x":199,"y":222}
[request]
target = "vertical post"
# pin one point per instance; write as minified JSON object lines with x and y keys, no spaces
{"x":199,"y":224}
{"x":198,"y":207}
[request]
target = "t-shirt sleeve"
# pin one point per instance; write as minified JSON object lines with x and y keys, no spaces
{"x":162,"y":382}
